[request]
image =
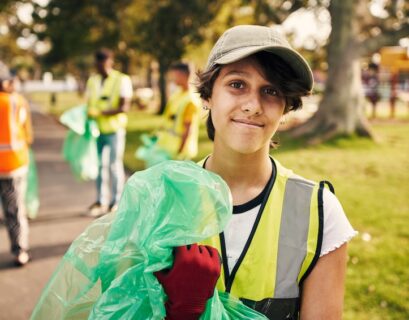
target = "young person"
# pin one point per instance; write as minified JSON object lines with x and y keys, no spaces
{"x":15,"y":139}
{"x":109,"y":94}
{"x":284,"y":250}
{"x":181,"y":115}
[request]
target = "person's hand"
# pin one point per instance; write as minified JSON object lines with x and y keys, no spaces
{"x":190,"y":282}
{"x":93,"y":113}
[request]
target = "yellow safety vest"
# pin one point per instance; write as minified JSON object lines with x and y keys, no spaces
{"x":282,"y":248}
{"x":170,"y":137}
{"x":106,"y":97}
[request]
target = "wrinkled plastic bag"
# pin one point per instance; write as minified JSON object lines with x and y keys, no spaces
{"x":80,"y":143}
{"x":31,"y":199}
{"x":75,"y":119}
{"x":150,"y":152}
{"x":107,"y":273}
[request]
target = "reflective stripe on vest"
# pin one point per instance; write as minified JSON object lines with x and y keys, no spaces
{"x":105,"y":97}
{"x":15,"y":145}
{"x":283,"y":244}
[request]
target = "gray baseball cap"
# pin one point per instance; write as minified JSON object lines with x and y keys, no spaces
{"x":242,"y":41}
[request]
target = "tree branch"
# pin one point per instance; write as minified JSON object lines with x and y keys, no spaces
{"x":386,"y":38}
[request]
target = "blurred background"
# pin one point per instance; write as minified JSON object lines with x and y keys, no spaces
{"x":353,"y":129}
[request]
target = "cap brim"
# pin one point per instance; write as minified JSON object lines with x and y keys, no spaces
{"x":293,"y":58}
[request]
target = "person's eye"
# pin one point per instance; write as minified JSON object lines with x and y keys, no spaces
{"x":272,"y":92}
{"x":237,"y":85}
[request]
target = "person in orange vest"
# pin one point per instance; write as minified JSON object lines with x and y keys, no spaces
{"x":15,"y":138}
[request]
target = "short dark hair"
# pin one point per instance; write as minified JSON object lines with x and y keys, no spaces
{"x":373,"y":66}
{"x":278,"y":72}
{"x":180,"y":66}
{"x":103,"y":54}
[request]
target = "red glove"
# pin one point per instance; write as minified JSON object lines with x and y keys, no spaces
{"x":190,"y":282}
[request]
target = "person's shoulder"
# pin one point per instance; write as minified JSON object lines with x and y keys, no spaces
{"x":123,"y":75}
{"x":286,"y":173}
{"x":93,"y":77}
{"x":4,"y":96}
{"x":337,"y":228}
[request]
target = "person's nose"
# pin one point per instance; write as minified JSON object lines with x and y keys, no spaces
{"x":252,"y":105}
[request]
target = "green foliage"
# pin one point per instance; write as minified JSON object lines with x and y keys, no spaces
{"x":171,"y":26}
{"x":11,"y":29}
{"x":164,"y":29}
{"x":76,"y":28}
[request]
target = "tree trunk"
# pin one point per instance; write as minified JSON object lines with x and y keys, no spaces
{"x":341,"y":110}
{"x":162,"y":86}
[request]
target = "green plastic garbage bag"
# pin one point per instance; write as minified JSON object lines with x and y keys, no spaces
{"x":75,"y":119}
{"x":80,"y":143}
{"x":32,"y":200}
{"x":107,"y":273}
{"x":150,"y":152}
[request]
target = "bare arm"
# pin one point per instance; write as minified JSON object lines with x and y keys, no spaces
{"x":322,"y":295}
{"x":124,"y":105}
{"x":186,"y":125}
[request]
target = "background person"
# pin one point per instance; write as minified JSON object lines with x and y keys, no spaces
{"x":109,"y":94}
{"x":15,"y":138}
{"x":371,"y":86}
{"x":181,"y":115}
{"x":284,"y":250}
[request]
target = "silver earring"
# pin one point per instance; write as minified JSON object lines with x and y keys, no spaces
{"x":205,"y":107}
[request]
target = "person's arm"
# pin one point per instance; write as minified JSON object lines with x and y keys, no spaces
{"x":322,"y":295}
{"x":187,"y":123}
{"x":126,"y":92}
{"x":123,"y":106}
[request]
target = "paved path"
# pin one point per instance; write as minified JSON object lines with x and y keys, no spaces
{"x":60,"y":221}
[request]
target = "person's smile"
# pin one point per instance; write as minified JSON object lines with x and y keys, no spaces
{"x":247,"y":123}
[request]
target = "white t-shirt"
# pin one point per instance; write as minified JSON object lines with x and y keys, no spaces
{"x":337,"y":229}
{"x":126,"y":90}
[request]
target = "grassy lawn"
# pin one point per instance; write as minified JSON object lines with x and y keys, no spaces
{"x":371,"y":181}
{"x":63,"y":101}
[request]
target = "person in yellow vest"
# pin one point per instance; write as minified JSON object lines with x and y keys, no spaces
{"x":109,"y":93}
{"x":284,"y":251}
{"x":180,"y":132}
{"x":15,"y":138}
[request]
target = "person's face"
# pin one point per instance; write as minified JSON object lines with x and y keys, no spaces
{"x":103,"y":66}
{"x":178,"y":77}
{"x":6,"y":86}
{"x":246,"y":108}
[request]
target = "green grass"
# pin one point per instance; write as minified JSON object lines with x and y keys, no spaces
{"x":371,"y":181}
{"x":63,"y":101}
